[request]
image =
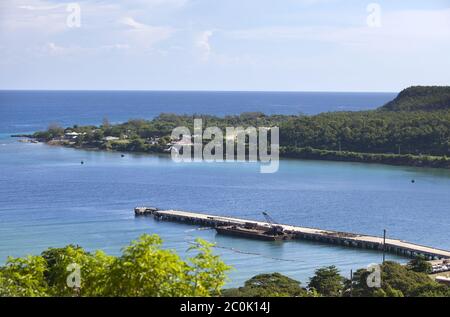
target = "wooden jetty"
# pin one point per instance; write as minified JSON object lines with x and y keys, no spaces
{"x":395,"y":246}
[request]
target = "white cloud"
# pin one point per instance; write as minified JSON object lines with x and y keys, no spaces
{"x":53,"y":49}
{"x":37,"y":25}
{"x":32,"y":16}
{"x":246,"y":42}
{"x":143,"y":35}
{"x":41,"y":8}
{"x":202,"y":43}
{"x":159,"y":3}
{"x":129,"y":21}
{"x":400,"y":30}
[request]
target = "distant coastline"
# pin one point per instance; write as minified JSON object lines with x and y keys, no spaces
{"x":317,"y":154}
{"x":297,"y":153}
{"x":411,"y":130}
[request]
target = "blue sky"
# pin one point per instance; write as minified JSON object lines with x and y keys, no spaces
{"x":297,"y":45}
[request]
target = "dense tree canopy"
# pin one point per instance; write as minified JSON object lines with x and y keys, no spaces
{"x":420,"y":98}
{"x":327,"y":281}
{"x":419,"y":264}
{"x":143,"y":269}
{"x":268,"y":285}
{"x":397,"y":281}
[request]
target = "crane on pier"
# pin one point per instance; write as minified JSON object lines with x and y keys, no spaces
{"x":274,"y":226}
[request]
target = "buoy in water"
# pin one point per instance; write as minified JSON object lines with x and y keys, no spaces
{"x":82,"y":162}
{"x":123,"y":155}
{"x":413,"y":181}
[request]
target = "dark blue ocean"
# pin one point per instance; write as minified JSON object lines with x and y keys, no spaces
{"x":47,"y":198}
{"x":31,"y":110}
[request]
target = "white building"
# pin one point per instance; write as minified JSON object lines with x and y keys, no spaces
{"x":71,"y":135}
{"x":111,"y":138}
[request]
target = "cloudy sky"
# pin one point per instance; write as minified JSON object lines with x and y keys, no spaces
{"x":301,"y":45}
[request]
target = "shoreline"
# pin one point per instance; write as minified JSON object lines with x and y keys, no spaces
{"x":286,"y":152}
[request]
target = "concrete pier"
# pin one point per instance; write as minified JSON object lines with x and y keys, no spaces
{"x":395,"y":246}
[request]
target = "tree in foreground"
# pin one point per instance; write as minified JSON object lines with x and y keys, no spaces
{"x":327,"y":281}
{"x":23,"y":277}
{"x":268,"y":285}
{"x":143,"y":269}
{"x":420,"y":264}
{"x":397,"y":281}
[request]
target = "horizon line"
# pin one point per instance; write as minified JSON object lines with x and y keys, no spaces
{"x":194,"y":90}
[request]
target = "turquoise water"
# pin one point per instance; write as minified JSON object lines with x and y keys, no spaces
{"x":47,"y":198}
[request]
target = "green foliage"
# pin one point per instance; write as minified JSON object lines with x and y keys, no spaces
{"x":94,"y":267}
{"x":420,"y":264}
{"x":399,"y":281}
{"x":143,"y":269}
{"x":327,"y":281}
{"x":396,"y":281}
{"x":346,"y":156}
{"x":43,"y":135}
{"x":55,"y":130}
{"x":206,"y":271}
{"x":371,"y":132}
{"x":137,"y":145}
{"x":146,"y":270}
{"x":420,"y":98}
{"x":23,"y":277}
{"x":268,"y":285}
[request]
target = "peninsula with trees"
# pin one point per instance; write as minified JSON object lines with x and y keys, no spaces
{"x":412,"y":130}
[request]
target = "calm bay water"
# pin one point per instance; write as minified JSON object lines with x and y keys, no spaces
{"x":47,"y":198}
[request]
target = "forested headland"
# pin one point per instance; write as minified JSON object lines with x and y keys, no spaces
{"x":413,"y":129}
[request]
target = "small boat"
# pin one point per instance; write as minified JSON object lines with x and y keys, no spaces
{"x":253,"y":233}
{"x":274,"y":231}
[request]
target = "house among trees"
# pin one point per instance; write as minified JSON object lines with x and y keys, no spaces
{"x":71,"y":135}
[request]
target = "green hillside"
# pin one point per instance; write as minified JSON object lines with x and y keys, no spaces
{"x":420,"y":98}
